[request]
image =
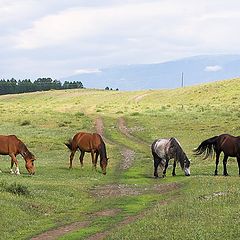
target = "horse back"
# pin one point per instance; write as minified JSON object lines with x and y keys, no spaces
{"x":160,"y":146}
{"x":87,"y":141}
{"x":229,"y":144}
{"x":9,"y":144}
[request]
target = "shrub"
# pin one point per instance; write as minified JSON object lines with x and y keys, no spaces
{"x":17,"y":189}
{"x":135,"y":114}
{"x":25,"y":123}
{"x":79,"y":114}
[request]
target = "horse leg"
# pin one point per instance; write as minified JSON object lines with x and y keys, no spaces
{"x":71,"y":158}
{"x":156,"y":163}
{"x":238,"y":161}
{"x":93,"y":160}
{"x":165,"y":169}
{"x":81,"y":158}
{"x":96,"y":158}
{"x":11,"y":169}
{"x":217,"y":162}
{"x":174,"y":166}
{"x":225,"y":165}
{"x":14,"y":160}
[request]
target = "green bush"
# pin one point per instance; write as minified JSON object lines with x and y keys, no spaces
{"x":17,"y":189}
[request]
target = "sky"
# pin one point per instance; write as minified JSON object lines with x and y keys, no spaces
{"x":59,"y":38}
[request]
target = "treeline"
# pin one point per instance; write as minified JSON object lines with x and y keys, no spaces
{"x":11,"y":86}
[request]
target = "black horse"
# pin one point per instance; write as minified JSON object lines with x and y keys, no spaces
{"x":225,"y":143}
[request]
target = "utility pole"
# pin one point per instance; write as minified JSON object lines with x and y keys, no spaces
{"x":182,"y":80}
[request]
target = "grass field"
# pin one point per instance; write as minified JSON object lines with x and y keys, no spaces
{"x":127,"y":203}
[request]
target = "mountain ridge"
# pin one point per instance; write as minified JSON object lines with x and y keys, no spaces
{"x":196,"y":70}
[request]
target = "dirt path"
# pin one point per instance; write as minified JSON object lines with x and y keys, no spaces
{"x":99,"y":127}
{"x":112,"y":190}
{"x":127,"y":220}
{"x":127,"y":132}
{"x":127,"y":154}
{"x":138,"y":98}
{"x":58,"y":232}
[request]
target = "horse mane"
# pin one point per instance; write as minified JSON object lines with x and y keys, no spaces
{"x":102,"y":150}
{"x":179,"y":153}
{"x":24,"y":150}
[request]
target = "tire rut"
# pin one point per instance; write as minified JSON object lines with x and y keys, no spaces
{"x":115,"y":190}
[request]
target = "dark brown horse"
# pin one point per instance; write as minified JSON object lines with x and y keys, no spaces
{"x":225,"y":143}
{"x":87,"y":142}
{"x":12,"y":146}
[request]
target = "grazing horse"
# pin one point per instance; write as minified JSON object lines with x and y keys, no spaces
{"x":225,"y":143}
{"x":12,"y":146}
{"x":87,"y":142}
{"x":165,"y":149}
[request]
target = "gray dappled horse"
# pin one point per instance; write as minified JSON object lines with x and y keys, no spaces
{"x":165,"y":149}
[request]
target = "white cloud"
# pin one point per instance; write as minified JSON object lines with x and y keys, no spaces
{"x":87,"y":70}
{"x":214,"y":68}
{"x":60,"y":36}
{"x":127,"y":21}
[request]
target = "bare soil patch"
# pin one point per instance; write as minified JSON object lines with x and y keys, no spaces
{"x":119,"y":190}
{"x":107,"y":213}
{"x":126,"y":221}
{"x":122,"y":126}
{"x":99,"y":126}
{"x":128,"y":158}
{"x":58,"y":232}
{"x":138,"y":98}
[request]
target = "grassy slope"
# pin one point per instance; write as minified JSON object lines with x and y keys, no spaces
{"x":59,"y":196}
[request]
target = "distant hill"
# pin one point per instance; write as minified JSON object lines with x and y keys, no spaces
{"x":197,"y":69}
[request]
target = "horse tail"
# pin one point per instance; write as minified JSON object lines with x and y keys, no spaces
{"x":69,"y":144}
{"x":206,"y":147}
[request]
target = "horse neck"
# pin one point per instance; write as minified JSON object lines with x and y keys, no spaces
{"x":24,"y":151}
{"x":180,"y":154}
{"x":102,"y":151}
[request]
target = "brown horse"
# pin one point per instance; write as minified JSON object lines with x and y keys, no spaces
{"x":225,"y":143}
{"x":87,"y":142}
{"x":12,"y":146}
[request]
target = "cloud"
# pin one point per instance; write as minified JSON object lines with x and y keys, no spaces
{"x":87,"y":70}
{"x":154,"y":19}
{"x":60,"y":36}
{"x":214,"y":68}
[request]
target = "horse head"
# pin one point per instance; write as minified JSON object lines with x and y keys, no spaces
{"x":187,"y":166}
{"x":103,"y":165}
{"x":29,"y":162}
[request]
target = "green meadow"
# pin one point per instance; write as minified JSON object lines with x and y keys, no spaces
{"x":201,"y":206}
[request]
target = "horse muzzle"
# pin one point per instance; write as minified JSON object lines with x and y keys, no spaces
{"x":187,"y":172}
